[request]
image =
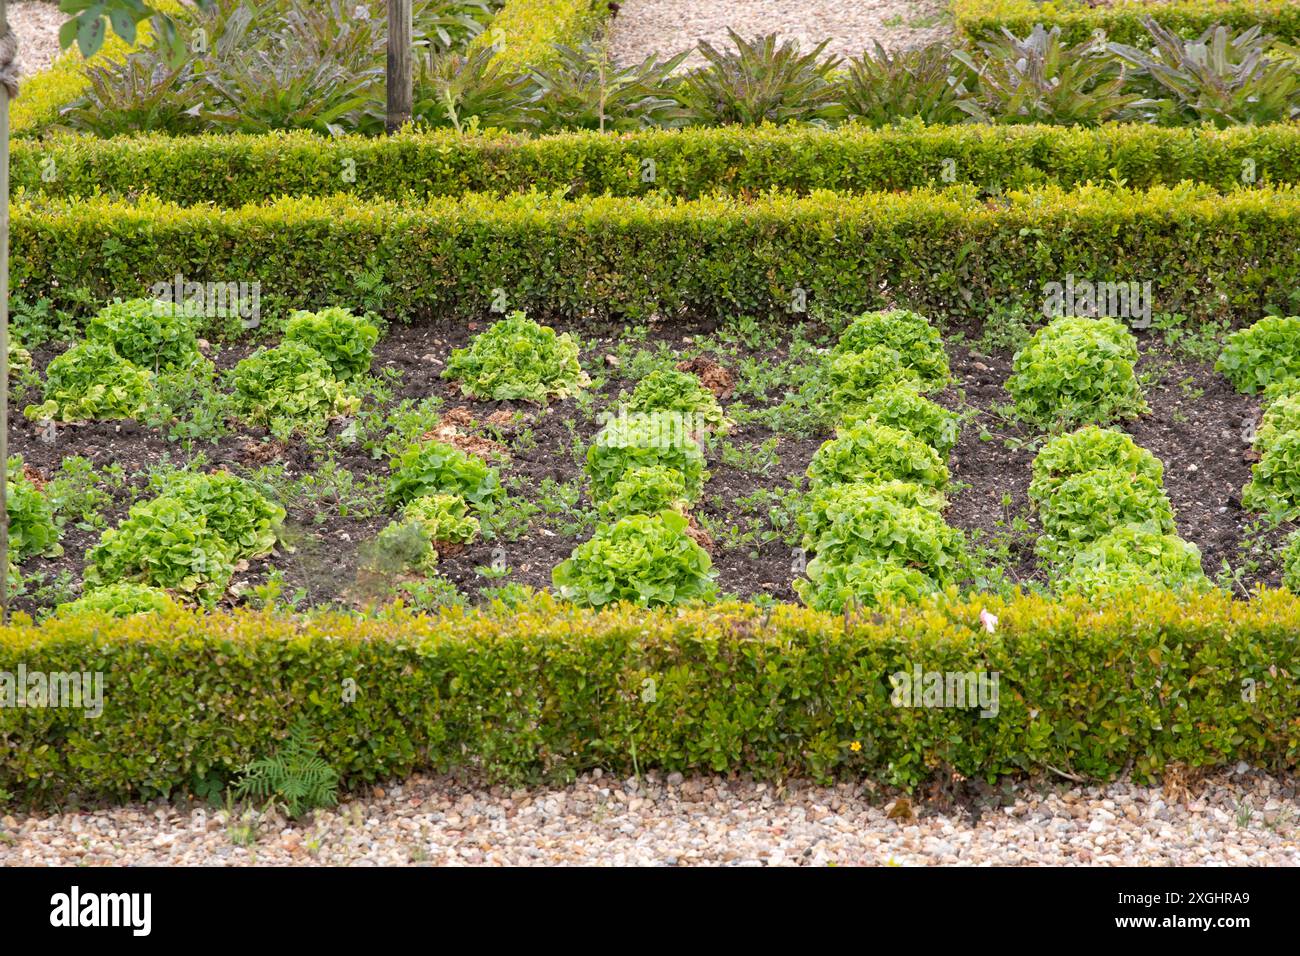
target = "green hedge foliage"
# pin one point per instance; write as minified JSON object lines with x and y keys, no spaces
{"x":547,"y":691}
{"x":1122,"y":19}
{"x":939,"y":252}
{"x":231,"y":170}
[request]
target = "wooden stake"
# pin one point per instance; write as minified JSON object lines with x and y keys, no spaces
{"x":400,"y":86}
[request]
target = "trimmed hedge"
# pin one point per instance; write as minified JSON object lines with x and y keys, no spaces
{"x":940,"y":253}
{"x":526,"y":31}
{"x":1122,"y":19}
{"x":549,"y":691}
{"x":232,"y":170}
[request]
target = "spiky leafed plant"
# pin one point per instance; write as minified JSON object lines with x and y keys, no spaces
{"x":585,"y":89}
{"x":761,"y":81}
{"x":316,"y":67}
{"x":1218,"y":77}
{"x":924,"y":83}
{"x":141,"y":92}
{"x":1039,"y":79}
{"x":473,"y":90}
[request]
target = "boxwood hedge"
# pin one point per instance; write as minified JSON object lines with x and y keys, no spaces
{"x":1122,"y":19}
{"x":233,"y":169}
{"x":940,"y":252}
{"x":546,"y":690}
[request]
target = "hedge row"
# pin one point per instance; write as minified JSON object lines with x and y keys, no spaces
{"x":943,"y":253}
{"x":525,"y":32}
{"x":1122,"y":19}
{"x":548,"y":690}
{"x":232,"y":170}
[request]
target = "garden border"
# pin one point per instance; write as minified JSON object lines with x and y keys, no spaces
{"x":1142,"y":682}
{"x":235,"y":169}
{"x":1122,"y":19}
{"x":949,"y":252}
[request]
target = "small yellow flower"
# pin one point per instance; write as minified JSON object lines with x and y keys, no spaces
{"x":855,"y":746}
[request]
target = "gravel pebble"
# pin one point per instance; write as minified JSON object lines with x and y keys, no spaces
{"x":670,"y":26}
{"x":36,"y":23}
{"x":1240,"y":819}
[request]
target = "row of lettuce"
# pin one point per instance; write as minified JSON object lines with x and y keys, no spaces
{"x":949,"y":252}
{"x":1089,"y":688}
{"x":331,"y":61}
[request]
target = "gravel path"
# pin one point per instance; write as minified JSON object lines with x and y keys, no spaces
{"x":670,"y":26}
{"x":36,"y":22}
{"x":1236,"y":819}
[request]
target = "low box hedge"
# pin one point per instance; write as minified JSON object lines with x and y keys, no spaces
{"x":547,"y":691}
{"x":1122,"y":19}
{"x":232,"y":170}
{"x":944,"y":253}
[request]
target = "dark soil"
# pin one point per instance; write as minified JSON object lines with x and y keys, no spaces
{"x":1195,"y":427}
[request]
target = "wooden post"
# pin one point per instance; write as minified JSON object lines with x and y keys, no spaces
{"x":5,"y":41}
{"x":400,"y":89}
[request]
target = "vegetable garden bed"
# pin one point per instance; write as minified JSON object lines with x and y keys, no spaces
{"x":332,"y":483}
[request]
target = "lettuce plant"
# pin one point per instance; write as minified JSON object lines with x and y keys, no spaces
{"x":119,"y":600}
{"x":869,"y":451}
{"x":518,"y":359}
{"x":1087,"y":506}
{"x":32,"y":529}
{"x":345,"y":341}
{"x":1267,"y":352}
{"x":641,"y":440}
{"x":1133,"y":555}
{"x":918,"y":343}
{"x":91,"y":381}
{"x":648,"y":560}
{"x":1280,"y":418}
{"x":824,"y":506}
{"x":1291,"y":563}
{"x":669,"y":390}
{"x":1275,"y":479}
{"x":232,"y":507}
{"x":445,"y":518}
{"x":1088,"y":449}
{"x":901,"y":406}
{"x":288,"y":387}
{"x":856,"y":376}
{"x":1077,"y":370}
{"x":646,"y":490}
{"x":866,"y":527}
{"x":405,"y":545}
{"x":164,"y":544}
{"x":436,"y":468}
{"x":867,"y":583}
{"x":150,"y":333}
